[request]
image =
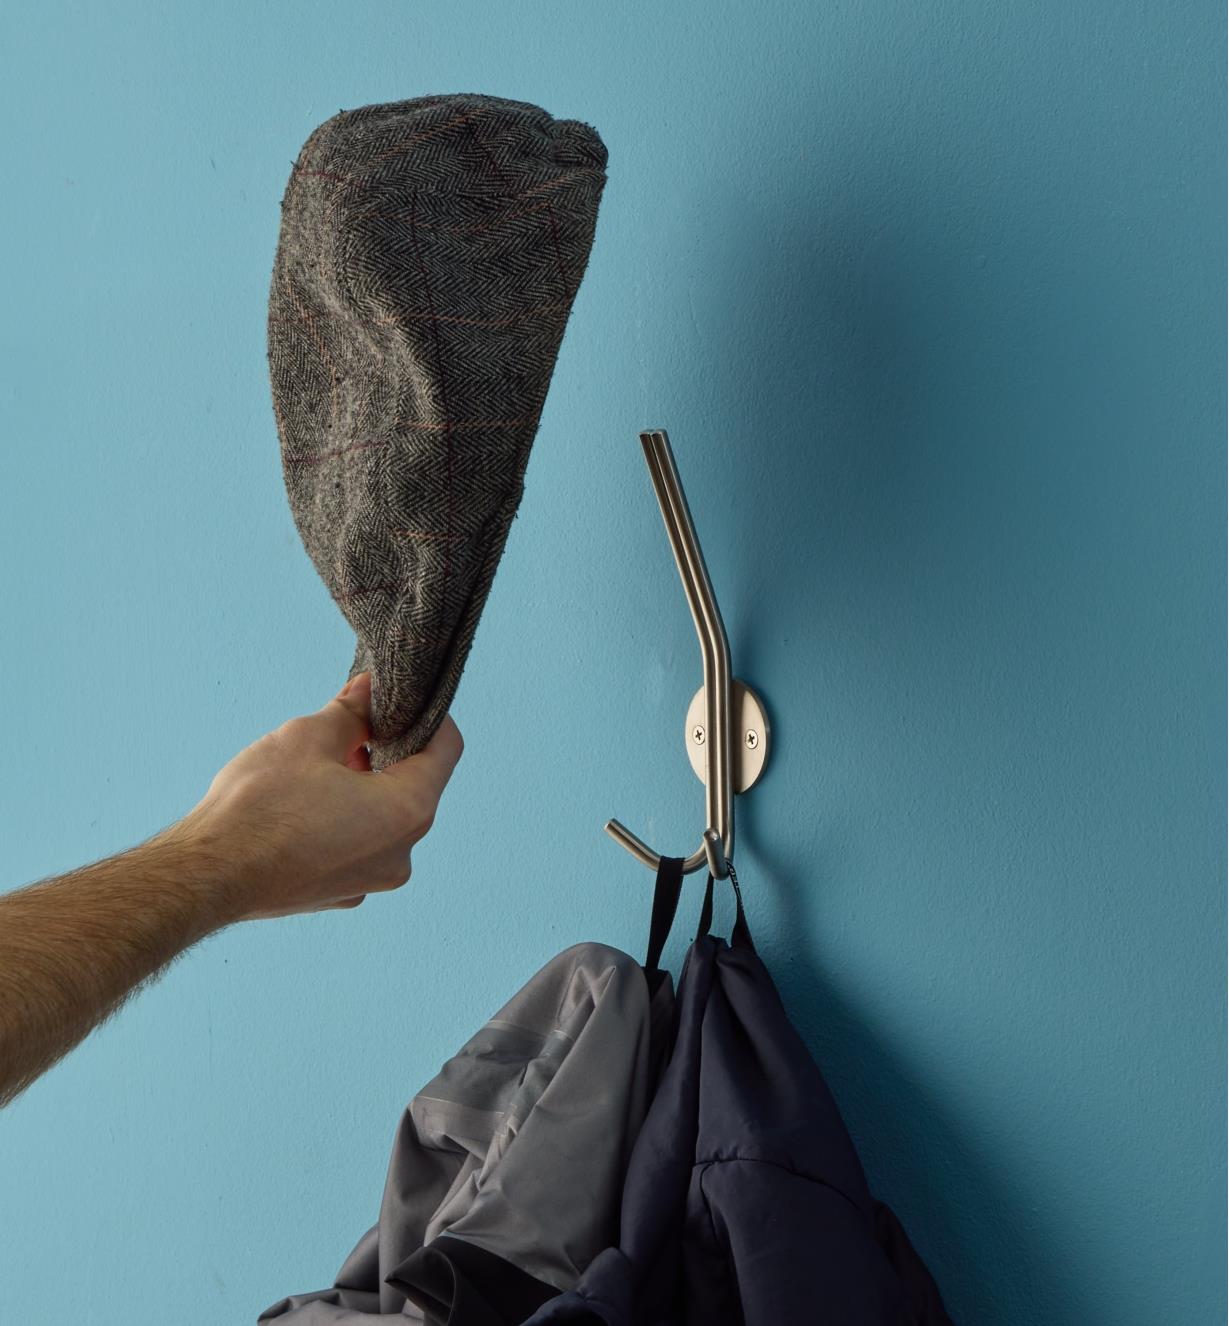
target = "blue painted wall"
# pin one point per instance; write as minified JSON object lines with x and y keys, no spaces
{"x":930,"y":297}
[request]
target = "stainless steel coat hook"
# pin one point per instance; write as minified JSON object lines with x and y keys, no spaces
{"x":726,"y":731}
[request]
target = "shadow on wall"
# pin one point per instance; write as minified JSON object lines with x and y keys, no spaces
{"x":828,"y":363}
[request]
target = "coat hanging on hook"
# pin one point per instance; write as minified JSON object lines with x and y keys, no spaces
{"x":745,"y":1202}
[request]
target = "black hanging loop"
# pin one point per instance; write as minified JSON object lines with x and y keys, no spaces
{"x":741,"y":936}
{"x":665,"y":904}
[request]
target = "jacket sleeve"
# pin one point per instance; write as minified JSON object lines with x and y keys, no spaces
{"x":747,"y":1214}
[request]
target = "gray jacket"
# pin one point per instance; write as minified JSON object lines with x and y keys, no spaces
{"x":507,"y":1168}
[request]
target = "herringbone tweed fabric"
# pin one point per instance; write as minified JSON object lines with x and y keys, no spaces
{"x":427,"y":261}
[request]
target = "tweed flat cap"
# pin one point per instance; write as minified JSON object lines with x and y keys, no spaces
{"x":427,"y":261}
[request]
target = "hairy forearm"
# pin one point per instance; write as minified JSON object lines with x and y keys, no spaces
{"x":73,"y":948}
{"x":296,"y":822}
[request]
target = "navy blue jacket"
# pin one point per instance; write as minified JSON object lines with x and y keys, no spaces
{"x":745,"y":1203}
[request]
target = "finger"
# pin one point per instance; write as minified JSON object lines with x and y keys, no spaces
{"x":428,"y":772}
{"x":343,"y":903}
{"x":342,"y":726}
{"x":393,"y":878}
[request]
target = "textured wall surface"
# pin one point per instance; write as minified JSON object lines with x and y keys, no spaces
{"x":930,"y":298}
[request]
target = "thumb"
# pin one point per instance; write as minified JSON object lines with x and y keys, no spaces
{"x":345,"y":722}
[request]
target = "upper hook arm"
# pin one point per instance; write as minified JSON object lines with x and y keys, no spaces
{"x":718,"y":843}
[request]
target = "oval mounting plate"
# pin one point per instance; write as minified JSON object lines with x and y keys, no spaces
{"x":749,"y":741}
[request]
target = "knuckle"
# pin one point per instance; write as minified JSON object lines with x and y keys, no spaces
{"x":392,"y":873}
{"x":411,"y":818}
{"x":295,"y":729}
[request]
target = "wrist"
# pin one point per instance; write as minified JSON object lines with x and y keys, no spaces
{"x":205,"y":870}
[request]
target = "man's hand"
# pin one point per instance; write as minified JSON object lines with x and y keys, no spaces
{"x":303,"y":822}
{"x":297,"y":822}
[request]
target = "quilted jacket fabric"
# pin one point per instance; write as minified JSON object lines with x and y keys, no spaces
{"x":427,"y":260}
{"x":745,"y":1202}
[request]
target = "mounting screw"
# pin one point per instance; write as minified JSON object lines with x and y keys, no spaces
{"x":753,"y":739}
{"x":697,"y":735}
